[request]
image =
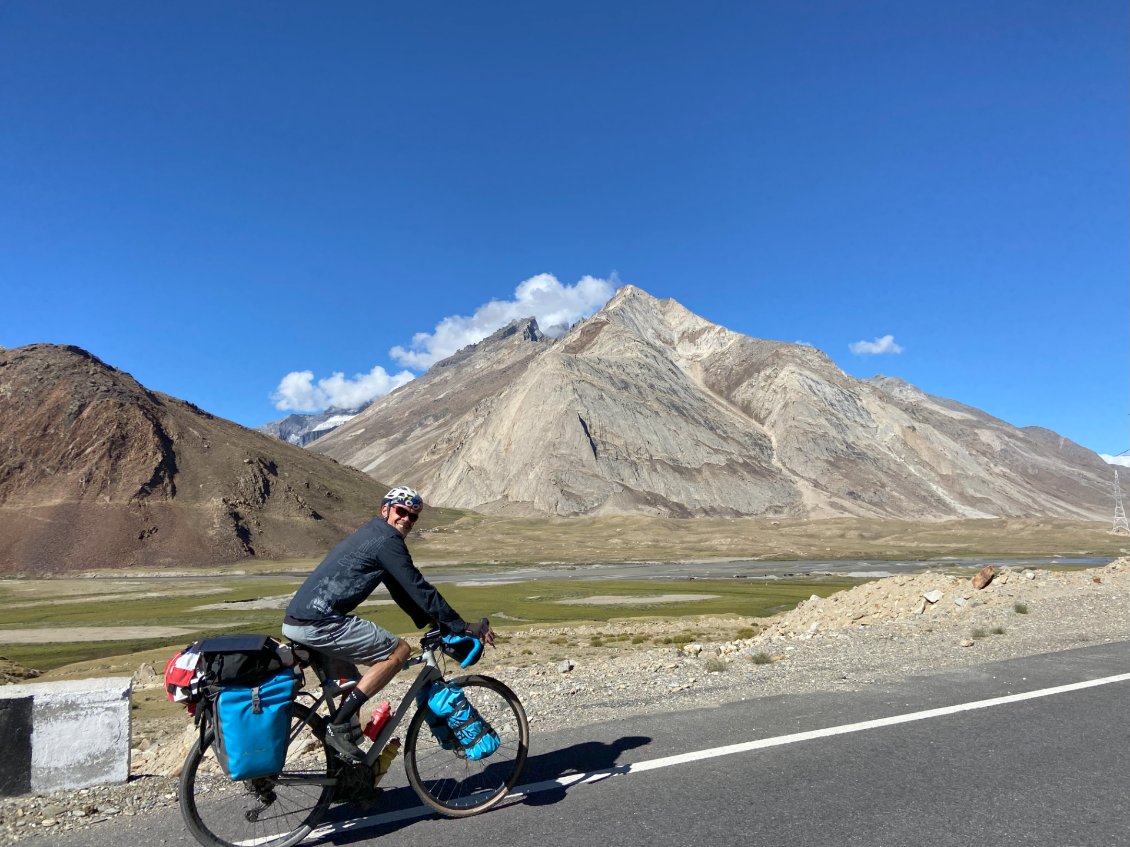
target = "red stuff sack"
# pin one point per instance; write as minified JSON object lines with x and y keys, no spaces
{"x":184,"y":677}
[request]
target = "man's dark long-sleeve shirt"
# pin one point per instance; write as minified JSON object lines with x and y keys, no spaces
{"x":372,"y":555}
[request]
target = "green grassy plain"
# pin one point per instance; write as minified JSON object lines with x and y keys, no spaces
{"x":35,"y":604}
{"x":54,"y":605}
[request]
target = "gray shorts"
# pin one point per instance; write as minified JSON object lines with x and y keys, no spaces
{"x":351,"y":638}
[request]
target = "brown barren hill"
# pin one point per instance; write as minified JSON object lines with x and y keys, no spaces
{"x":97,"y":471}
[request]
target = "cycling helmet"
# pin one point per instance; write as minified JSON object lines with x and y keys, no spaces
{"x":404,"y":496}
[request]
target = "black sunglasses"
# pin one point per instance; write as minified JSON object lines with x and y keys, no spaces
{"x":401,"y":512}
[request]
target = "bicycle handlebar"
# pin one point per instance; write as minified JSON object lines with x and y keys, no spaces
{"x":433,"y":638}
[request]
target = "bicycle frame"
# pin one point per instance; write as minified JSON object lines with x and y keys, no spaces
{"x":429,"y":673}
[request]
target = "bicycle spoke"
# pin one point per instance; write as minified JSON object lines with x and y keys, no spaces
{"x":446,"y":779}
{"x":276,"y":811}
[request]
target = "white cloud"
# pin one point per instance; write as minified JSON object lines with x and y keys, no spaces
{"x":878,"y":347}
{"x":555,"y":306}
{"x":1120,"y":459}
{"x":298,"y":393}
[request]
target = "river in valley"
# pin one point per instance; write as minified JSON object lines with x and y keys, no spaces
{"x":758,"y":569}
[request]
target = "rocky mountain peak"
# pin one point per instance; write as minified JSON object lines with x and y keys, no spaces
{"x":301,"y":428}
{"x":666,"y":326}
{"x":626,"y":295}
{"x":527,"y":328}
{"x":519,"y":331}
{"x":633,"y":305}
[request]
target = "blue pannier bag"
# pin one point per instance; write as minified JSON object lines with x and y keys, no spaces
{"x":252,"y":724}
{"x":438,"y":725}
{"x":477,"y":738}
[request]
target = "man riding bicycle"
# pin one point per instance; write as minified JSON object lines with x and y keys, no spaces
{"x":319,"y":615}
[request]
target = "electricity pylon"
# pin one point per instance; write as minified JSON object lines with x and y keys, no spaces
{"x":1121,"y":527}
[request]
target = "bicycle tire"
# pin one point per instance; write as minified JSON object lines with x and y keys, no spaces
{"x":448,"y":781}
{"x":269,"y":812}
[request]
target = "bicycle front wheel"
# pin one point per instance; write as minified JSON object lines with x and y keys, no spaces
{"x":274,"y":811}
{"x":445,"y":778}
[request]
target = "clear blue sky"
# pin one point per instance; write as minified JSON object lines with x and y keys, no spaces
{"x":212,"y":196}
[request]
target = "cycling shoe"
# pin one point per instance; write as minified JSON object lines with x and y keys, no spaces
{"x":342,"y":738}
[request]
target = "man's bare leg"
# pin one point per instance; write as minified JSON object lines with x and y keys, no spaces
{"x":338,"y":733}
{"x":381,"y":674}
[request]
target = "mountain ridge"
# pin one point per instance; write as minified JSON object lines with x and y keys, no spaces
{"x":646,"y":407}
{"x":301,"y":428}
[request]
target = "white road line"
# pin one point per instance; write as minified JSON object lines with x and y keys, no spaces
{"x":731,"y":749}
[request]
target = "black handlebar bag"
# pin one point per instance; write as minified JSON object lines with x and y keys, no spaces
{"x":242,"y":659}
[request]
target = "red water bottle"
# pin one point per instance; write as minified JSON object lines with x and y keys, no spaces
{"x":376,"y":723}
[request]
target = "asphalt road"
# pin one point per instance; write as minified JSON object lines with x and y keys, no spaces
{"x":985,"y":764}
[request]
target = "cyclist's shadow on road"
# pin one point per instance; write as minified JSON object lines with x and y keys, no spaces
{"x":546,"y":778}
{"x":547,"y":774}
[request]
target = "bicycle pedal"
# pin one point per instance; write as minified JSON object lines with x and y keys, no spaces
{"x":348,"y":758}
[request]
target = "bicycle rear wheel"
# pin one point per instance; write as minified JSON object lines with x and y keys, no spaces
{"x":447,"y":780}
{"x":274,"y":811}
